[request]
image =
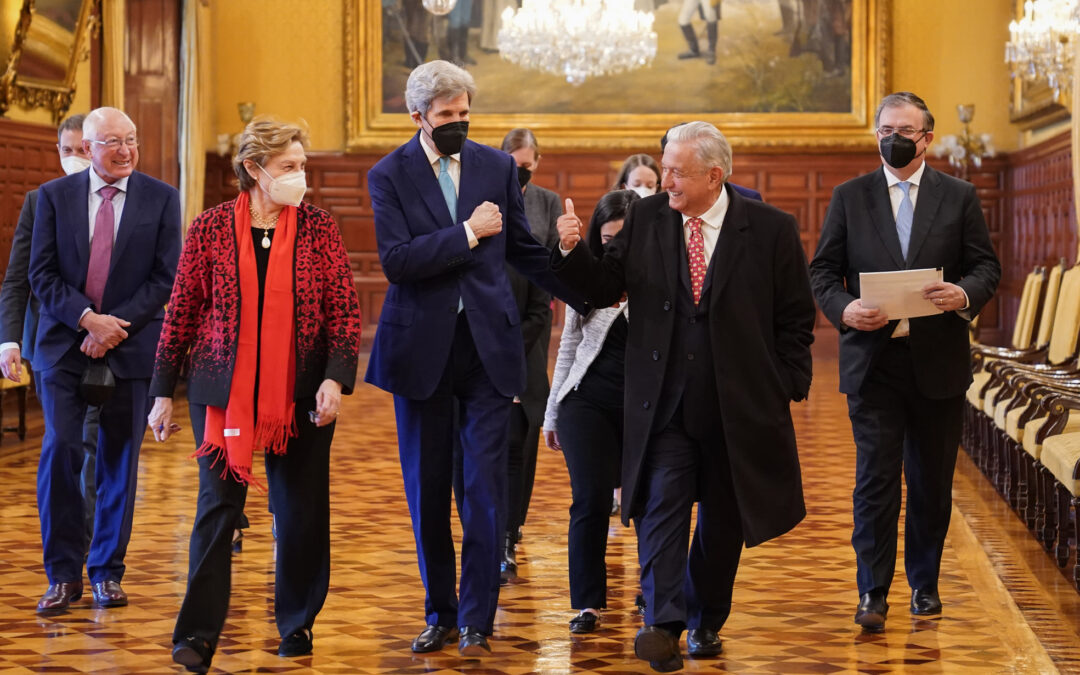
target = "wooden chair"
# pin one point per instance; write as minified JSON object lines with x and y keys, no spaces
{"x":20,"y":389}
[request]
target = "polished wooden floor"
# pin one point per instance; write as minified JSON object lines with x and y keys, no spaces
{"x":1007,"y":606}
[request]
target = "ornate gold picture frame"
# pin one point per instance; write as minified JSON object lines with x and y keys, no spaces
{"x":375,"y":75}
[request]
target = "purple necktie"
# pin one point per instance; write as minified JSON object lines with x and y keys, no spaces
{"x":101,"y":247}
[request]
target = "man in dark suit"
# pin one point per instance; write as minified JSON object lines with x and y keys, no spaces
{"x":449,"y":329}
{"x":105,"y":247}
{"x":905,"y":380}
{"x":721,"y":322}
{"x":19,"y":307}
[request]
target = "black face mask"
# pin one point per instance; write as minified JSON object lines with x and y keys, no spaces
{"x":449,"y":138}
{"x":524,"y":176}
{"x":898,"y":151}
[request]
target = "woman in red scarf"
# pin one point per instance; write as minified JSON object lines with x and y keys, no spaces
{"x":265,"y":324}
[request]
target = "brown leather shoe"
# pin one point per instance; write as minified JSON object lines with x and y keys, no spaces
{"x":109,"y":594}
{"x":58,"y":597}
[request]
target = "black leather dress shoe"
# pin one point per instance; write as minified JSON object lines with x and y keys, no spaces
{"x":109,"y":594}
{"x":434,"y":638}
{"x":925,"y":602}
{"x":193,"y":653}
{"x":473,"y":643}
{"x":59,"y":597}
{"x":660,"y":648}
{"x":584,"y":623}
{"x":870,"y":614}
{"x":296,"y":644}
{"x":703,"y":642}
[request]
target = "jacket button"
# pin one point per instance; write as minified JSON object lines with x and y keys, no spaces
{"x":667,"y":306}
{"x":645,"y":405}
{"x":690,"y":356}
{"x":655,"y":355}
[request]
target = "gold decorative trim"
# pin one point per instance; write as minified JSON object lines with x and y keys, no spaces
{"x":368,"y":128}
{"x":55,"y":96}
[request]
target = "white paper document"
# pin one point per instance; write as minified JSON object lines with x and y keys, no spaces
{"x":899,"y":294}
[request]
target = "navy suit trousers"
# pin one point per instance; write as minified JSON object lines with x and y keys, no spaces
{"x":61,"y":506}
{"x":425,"y":440}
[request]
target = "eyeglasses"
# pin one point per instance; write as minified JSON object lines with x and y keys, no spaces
{"x":115,"y":143}
{"x":906,"y":132}
{"x":679,"y":173}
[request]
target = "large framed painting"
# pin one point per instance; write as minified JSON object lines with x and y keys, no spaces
{"x":787,"y":74}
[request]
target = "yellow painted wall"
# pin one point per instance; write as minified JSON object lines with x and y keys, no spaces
{"x":953,"y":52}
{"x":287,"y":57}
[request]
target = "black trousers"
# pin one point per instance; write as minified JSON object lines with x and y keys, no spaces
{"x":591,"y":437}
{"x":688,"y":590}
{"x":299,"y":484}
{"x":898,"y":429}
{"x":521,"y":466}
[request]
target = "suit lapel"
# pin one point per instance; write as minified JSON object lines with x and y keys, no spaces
{"x":78,"y":214}
{"x":132,"y":203}
{"x":423,"y":177}
{"x":468,"y":189}
{"x":926,"y":206}
{"x":730,"y":243}
{"x":881,"y":215}
{"x":669,"y":234}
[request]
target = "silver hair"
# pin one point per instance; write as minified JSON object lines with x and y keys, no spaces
{"x":95,"y":117}
{"x":709,"y":144}
{"x":436,"y":79}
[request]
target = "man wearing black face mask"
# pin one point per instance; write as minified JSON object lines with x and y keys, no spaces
{"x":449,"y":216}
{"x":905,"y":380}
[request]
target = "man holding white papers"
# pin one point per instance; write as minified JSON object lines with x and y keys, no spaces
{"x":905,"y":380}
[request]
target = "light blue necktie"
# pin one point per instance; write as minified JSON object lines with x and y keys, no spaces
{"x":904,"y":216}
{"x":446,"y":184}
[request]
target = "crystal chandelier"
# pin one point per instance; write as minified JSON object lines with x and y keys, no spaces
{"x":1041,"y":44}
{"x":577,"y":39}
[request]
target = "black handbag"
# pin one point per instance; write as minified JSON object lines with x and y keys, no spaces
{"x":97,"y":383}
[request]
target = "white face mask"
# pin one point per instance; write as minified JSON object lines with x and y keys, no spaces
{"x":287,"y":189}
{"x":643,"y":191}
{"x":74,"y":164}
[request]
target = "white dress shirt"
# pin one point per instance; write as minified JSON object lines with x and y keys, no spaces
{"x":454,"y":169}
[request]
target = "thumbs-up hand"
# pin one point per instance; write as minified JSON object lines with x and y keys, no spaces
{"x":569,"y":227}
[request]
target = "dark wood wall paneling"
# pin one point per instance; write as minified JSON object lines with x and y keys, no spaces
{"x":800,"y":184}
{"x":152,"y":84}
{"x":28,"y":158}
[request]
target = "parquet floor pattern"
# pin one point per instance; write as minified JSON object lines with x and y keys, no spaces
{"x":1007,"y":607}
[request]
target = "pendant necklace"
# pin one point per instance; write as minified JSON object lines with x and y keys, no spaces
{"x":265,"y":223}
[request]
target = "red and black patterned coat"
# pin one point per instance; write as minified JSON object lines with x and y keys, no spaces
{"x":202,"y":323}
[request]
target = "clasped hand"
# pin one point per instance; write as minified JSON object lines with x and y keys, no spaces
{"x":104,"y":332}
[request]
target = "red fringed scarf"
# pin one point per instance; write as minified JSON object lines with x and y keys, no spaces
{"x":234,"y":432}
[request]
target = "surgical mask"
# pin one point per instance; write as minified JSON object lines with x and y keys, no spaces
{"x":74,"y":164}
{"x":287,"y":189}
{"x":524,"y":176}
{"x":449,"y":138}
{"x":897,"y":151}
{"x":643,"y":191}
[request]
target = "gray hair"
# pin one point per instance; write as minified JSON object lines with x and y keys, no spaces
{"x":902,"y":98}
{"x":709,"y":144}
{"x":436,"y":79}
{"x":98,"y":115}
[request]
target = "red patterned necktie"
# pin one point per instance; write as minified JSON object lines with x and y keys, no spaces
{"x":695,"y":251}
{"x":101,"y":247}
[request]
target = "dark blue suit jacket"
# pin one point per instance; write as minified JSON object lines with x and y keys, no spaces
{"x":141,"y":272}
{"x":745,"y":191}
{"x":425,"y":255}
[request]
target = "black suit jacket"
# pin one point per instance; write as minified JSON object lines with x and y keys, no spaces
{"x":542,"y":209}
{"x":948,"y":231}
{"x":18,"y":306}
{"x":761,"y":316}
